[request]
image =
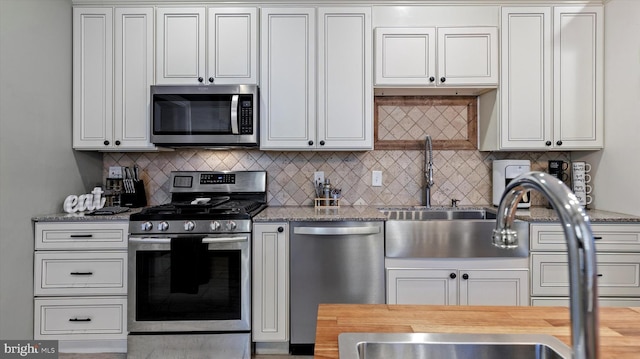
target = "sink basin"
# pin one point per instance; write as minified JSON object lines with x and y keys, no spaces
{"x":447,"y":233}
{"x":434,"y":214}
{"x":445,"y":346}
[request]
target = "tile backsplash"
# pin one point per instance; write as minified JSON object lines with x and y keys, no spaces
{"x":462,"y":174}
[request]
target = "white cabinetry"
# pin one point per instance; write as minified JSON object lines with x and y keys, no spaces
{"x":221,"y":49}
{"x":551,"y":84}
{"x":270,"y":304}
{"x":112,"y":72}
{"x":298,"y":113}
{"x":80,"y":285}
{"x":618,"y":263}
{"x":466,"y":56}
{"x":464,"y":282}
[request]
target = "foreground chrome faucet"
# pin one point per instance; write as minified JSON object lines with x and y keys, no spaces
{"x":428,"y":170}
{"x":581,"y":252}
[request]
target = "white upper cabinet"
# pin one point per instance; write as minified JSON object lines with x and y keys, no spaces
{"x":551,"y":85}
{"x":292,"y":116}
{"x":405,"y":56}
{"x":111,"y":108}
{"x":188,"y":53}
{"x":578,"y":59}
{"x":466,"y":56}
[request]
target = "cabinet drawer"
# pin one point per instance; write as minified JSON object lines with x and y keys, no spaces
{"x":619,"y":274}
{"x":85,"y":235}
{"x":80,"y":318}
{"x":80,"y":273}
{"x":613,"y":237}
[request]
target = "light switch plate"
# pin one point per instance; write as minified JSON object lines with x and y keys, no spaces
{"x":376,"y":178}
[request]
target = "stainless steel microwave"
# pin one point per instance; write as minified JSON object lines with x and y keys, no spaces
{"x":214,"y":116}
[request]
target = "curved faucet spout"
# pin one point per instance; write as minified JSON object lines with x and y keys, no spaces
{"x":581,"y":252}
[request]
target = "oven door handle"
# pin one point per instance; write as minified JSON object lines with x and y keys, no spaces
{"x":234,"y":115}
{"x":225,"y":239}
{"x":149,"y":240}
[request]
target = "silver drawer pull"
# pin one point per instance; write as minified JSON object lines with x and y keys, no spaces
{"x":81,"y":273}
{"x":79,"y":319}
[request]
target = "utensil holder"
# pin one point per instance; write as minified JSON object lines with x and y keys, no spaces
{"x":326,"y":202}
{"x":136,"y":199}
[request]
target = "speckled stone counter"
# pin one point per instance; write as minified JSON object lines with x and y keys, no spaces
{"x":542,"y":214}
{"x":82,"y":217}
{"x":308,"y":213}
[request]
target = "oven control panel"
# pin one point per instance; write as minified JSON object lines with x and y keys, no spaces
{"x":217,"y":178}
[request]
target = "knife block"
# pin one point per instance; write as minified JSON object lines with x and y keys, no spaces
{"x":136,"y":199}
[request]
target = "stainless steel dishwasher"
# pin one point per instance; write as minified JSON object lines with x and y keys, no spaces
{"x":332,"y":262}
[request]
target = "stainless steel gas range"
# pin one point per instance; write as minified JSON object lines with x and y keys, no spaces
{"x":190,"y":267}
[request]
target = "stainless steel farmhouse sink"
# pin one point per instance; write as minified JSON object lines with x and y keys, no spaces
{"x":447,"y":233}
{"x":446,"y":345}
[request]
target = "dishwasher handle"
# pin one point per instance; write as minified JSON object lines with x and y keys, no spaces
{"x":337,"y":231}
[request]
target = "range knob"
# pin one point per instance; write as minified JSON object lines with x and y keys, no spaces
{"x":189,"y":226}
{"x":215,"y":226}
{"x":146,"y":226}
{"x":231,"y":225}
{"x":163,"y":226}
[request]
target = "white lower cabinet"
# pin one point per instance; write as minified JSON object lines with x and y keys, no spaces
{"x":80,"y":285}
{"x":473,"y":282}
{"x":270,"y":292}
{"x":617,"y":260}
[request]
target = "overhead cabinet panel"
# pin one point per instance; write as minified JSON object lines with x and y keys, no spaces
{"x":181,"y":44}
{"x":405,"y":56}
{"x":232,"y":43}
{"x":468,"y":56}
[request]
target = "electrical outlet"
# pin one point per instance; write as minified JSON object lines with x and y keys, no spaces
{"x":318,"y":177}
{"x":376,"y":178}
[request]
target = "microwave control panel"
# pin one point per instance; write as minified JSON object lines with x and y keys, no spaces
{"x":246,"y":115}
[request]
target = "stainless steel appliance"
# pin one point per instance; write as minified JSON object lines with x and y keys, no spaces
{"x":332,"y":262}
{"x":208,"y":116}
{"x":504,"y":171}
{"x":190,"y":266}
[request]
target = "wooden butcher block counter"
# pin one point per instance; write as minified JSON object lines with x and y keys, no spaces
{"x":619,"y":327}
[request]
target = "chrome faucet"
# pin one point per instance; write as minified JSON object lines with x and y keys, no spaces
{"x":428,"y":171}
{"x":581,"y":252}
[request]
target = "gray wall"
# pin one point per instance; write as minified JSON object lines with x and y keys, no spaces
{"x":38,"y":168}
{"x":617,"y":167}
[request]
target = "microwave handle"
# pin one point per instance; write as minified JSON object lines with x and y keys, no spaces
{"x":234,"y":115}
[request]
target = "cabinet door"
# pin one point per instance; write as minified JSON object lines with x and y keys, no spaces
{"x":180,"y":45}
{"x":525,"y":89}
{"x":133,"y":76}
{"x":422,"y":286}
{"x":92,"y":78}
{"x":494,"y":287}
{"x":287,"y":78}
{"x":468,"y":56}
{"x":345,"y":96}
{"x":232,"y":46}
{"x":270,"y":282}
{"x":612,"y":237}
{"x":405,"y":56}
{"x":578,"y":80}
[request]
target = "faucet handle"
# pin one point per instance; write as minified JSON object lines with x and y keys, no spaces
{"x":454,"y":202}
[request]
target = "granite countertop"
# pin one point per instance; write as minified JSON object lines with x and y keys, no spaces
{"x":352,"y":213}
{"x":83,"y":217}
{"x":619,"y":327}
